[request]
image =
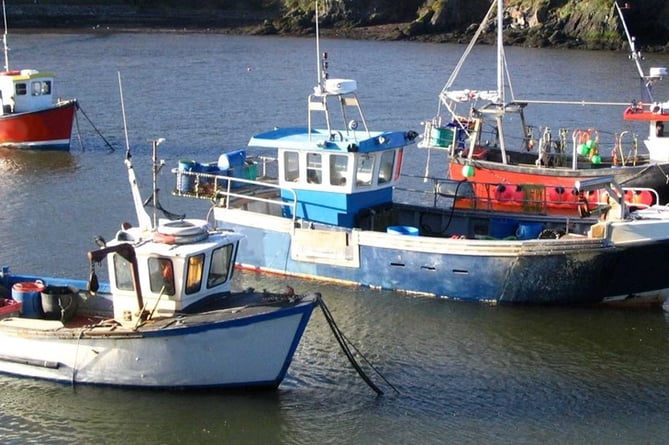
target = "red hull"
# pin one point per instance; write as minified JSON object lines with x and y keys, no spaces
{"x":48,"y":129}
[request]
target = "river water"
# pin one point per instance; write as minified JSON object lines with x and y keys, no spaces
{"x":464,"y":373}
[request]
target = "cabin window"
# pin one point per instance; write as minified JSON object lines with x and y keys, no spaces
{"x":314,"y":168}
{"x":21,"y":89}
{"x":291,"y":166}
{"x":365,"y":170}
{"x":386,"y":167}
{"x":194,"y":274}
{"x":338,"y":169}
{"x":221,"y":259}
{"x":123,"y":273}
{"x":40,"y":87}
{"x":161,"y":273}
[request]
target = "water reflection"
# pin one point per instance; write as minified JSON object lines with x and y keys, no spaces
{"x":48,"y":413}
{"x":28,"y":161}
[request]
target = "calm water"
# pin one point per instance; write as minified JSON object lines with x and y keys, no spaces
{"x":465,"y":373}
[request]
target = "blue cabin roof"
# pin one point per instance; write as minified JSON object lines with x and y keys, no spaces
{"x":300,"y":138}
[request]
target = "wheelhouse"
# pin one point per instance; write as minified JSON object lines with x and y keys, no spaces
{"x":25,"y":90}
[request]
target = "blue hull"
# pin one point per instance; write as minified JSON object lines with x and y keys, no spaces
{"x":587,"y":275}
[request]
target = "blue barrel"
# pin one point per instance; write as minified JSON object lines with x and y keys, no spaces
{"x":211,"y":168}
{"x":232,"y":159}
{"x":529,"y":230}
{"x":236,"y":158}
{"x":186,"y":183}
{"x":403,"y":230}
{"x":30,"y":294}
{"x":502,"y":227}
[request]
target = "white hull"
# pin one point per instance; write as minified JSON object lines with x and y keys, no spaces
{"x":253,"y":350}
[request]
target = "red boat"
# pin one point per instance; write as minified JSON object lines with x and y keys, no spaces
{"x":539,"y":174}
{"x":30,"y":116}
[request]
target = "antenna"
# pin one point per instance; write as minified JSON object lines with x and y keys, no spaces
{"x":143,"y":218}
{"x":125,"y":127}
{"x":318,"y":53}
{"x":4,"y":37}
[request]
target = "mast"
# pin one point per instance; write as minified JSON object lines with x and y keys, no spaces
{"x":4,"y":37}
{"x":635,"y":55}
{"x":500,"y":51}
{"x":143,"y":218}
{"x":500,"y":79}
{"x":154,"y":177}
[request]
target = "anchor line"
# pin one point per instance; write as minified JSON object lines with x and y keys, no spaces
{"x":344,"y":342}
{"x":76,"y":357}
{"x":81,"y":143}
{"x":111,"y":147}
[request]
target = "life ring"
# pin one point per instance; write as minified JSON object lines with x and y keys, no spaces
{"x":184,"y":227}
{"x":164,"y":238}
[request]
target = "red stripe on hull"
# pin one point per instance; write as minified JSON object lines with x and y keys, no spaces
{"x":50,"y":128}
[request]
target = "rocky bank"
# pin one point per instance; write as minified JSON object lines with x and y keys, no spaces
{"x":587,"y":24}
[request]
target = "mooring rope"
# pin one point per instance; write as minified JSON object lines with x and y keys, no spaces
{"x":81,"y":143}
{"x":344,"y":343}
{"x":111,"y":147}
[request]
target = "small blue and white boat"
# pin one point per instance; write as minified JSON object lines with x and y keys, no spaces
{"x":325,"y":210}
{"x":167,"y":318}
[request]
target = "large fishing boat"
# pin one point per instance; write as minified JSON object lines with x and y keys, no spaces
{"x":326,"y":210}
{"x":537,"y":174}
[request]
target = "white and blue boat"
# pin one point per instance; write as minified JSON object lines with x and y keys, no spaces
{"x":325,"y":209}
{"x":167,"y":318}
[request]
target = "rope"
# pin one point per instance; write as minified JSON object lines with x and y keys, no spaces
{"x":76,"y":121}
{"x":76,"y":357}
{"x":344,"y":343}
{"x":111,"y":147}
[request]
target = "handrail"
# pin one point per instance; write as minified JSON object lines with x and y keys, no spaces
{"x":220,"y":189}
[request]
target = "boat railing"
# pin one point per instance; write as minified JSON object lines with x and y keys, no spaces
{"x":234,"y":192}
{"x":265,"y":162}
{"x":527,"y":198}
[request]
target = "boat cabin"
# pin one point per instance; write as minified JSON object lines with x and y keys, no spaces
{"x":176,"y":267}
{"x":25,"y":90}
{"x":332,"y":174}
